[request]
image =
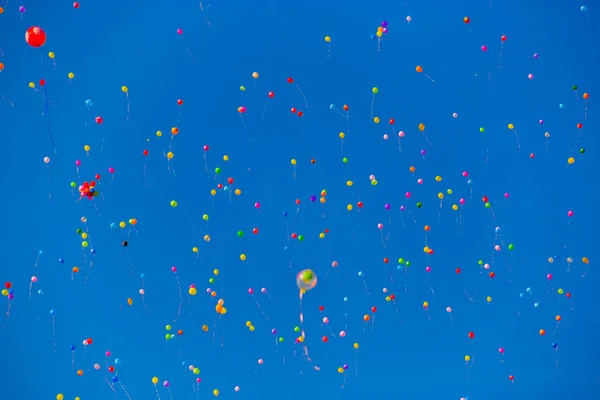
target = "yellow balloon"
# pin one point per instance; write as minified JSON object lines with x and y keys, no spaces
{"x":438,"y":178}
{"x":195,"y":249}
{"x":170,"y":155}
{"x":379,"y":34}
{"x":192,"y":291}
{"x":243,"y":257}
{"x":440,"y":195}
{"x":125,"y":89}
{"x":225,"y":157}
{"x":86,"y":147}
{"x":31,"y":85}
{"x":293,"y":161}
{"x":349,"y":207}
{"x":375,"y":90}
{"x":349,"y":183}
{"x":51,"y":55}
{"x":122,"y":224}
{"x":341,"y":370}
{"x":71,"y":75}
{"x":356,"y":345}
{"x":489,"y":299}
{"x":327,"y":39}
{"x":376,"y":120}
{"x":158,"y":133}
{"x":511,"y":126}
{"x":60,"y":396}
{"x":571,"y":160}
{"x":155,"y":380}
{"x":216,"y":392}
{"x":467,"y":358}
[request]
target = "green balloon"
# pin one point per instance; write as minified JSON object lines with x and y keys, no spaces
{"x":79,"y":231}
{"x":488,"y":205}
{"x":301,"y":238}
{"x":419,"y":204}
{"x":280,"y":340}
{"x":73,"y":184}
{"x":481,"y":130}
{"x":240,"y":233}
{"x":511,"y":246}
{"x":401,"y":261}
{"x":574,"y":87}
{"x":582,"y":150}
{"x":408,"y":263}
{"x":345,"y":160}
{"x":307,"y":276}
{"x":217,"y":170}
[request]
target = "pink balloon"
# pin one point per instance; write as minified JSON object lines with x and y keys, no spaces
{"x":501,"y":350}
{"x":549,"y":276}
{"x":465,"y":174}
{"x":78,"y":163}
{"x":180,"y":31}
{"x":484,"y":48}
{"x":34,"y":279}
{"x":257,"y":205}
{"x":174,"y":269}
{"x":570,"y":213}
{"x":428,"y":269}
{"x":250,"y":291}
{"x":111,"y":170}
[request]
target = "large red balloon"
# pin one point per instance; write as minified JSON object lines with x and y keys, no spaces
{"x":35,"y":36}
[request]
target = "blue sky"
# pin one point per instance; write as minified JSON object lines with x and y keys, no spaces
{"x":404,"y":350}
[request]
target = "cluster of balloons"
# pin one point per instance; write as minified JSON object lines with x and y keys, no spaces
{"x":381,"y":30}
{"x":88,"y":190}
{"x":8,"y":291}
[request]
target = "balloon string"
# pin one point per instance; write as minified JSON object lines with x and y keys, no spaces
{"x":46,"y":112}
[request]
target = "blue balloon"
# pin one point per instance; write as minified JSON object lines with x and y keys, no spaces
{"x":89,"y":103}
{"x":583,"y":9}
{"x":72,"y":347}
{"x":113,"y":225}
{"x":115,"y":378}
{"x":561,"y":106}
{"x":142,"y":276}
{"x":61,"y":260}
{"x":554,"y":344}
{"x":331,"y":107}
{"x":93,"y":251}
{"x":52,"y":312}
{"x":117,"y":361}
{"x":40,"y":292}
{"x":521,"y":295}
{"x":41,"y":252}
{"x":285,"y":213}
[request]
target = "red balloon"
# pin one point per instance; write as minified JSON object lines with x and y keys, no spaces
{"x":271,"y":95}
{"x":35,"y":36}
{"x":76,"y":4}
{"x":99,"y":120}
{"x":290,"y":80}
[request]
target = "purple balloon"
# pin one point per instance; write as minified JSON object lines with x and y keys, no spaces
{"x":384,"y":24}
{"x":401,"y":208}
{"x":313,"y":198}
{"x":274,"y":331}
{"x":166,"y":383}
{"x":387,"y":206}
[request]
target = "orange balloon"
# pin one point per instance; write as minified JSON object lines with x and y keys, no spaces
{"x":366,"y":317}
{"x":419,"y":68}
{"x":585,"y":95}
{"x":558,"y":317}
{"x":542,"y":332}
{"x":1,"y":66}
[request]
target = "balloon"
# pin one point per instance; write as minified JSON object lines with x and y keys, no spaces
{"x":35,"y":36}
{"x":306,"y":280}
